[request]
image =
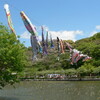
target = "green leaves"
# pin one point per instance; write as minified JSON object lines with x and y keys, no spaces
{"x":86,"y":69}
{"x":12,"y":56}
{"x":49,"y":64}
{"x":91,"y":47}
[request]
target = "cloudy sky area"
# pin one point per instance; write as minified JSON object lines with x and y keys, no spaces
{"x":67,"y":19}
{"x":64,"y":35}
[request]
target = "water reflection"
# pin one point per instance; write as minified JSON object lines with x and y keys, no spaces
{"x":8,"y":98}
{"x":53,"y":90}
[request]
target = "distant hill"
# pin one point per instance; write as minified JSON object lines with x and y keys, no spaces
{"x":89,"y":46}
{"x":93,"y":39}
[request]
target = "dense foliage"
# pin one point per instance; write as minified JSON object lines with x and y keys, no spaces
{"x":91,"y":47}
{"x":50,"y":64}
{"x":12,"y":56}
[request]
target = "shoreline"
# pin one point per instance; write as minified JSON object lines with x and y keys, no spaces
{"x":71,"y":79}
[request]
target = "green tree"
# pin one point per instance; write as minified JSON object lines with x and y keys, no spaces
{"x":70,"y":72}
{"x":86,"y":69}
{"x":12,"y":57}
{"x":91,"y":47}
{"x":96,"y":71}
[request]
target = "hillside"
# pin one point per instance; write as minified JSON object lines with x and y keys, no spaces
{"x":90,"y":46}
{"x":50,"y":64}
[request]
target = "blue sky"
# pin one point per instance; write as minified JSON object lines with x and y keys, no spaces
{"x":68,"y":19}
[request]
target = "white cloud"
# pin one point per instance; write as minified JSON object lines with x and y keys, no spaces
{"x":25,"y":35}
{"x":92,"y":33}
{"x":98,"y":27}
{"x":44,"y":26}
{"x":39,"y":37}
{"x":66,"y":35}
{"x":95,"y":31}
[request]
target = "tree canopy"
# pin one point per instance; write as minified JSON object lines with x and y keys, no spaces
{"x":12,"y":56}
{"x":89,"y":46}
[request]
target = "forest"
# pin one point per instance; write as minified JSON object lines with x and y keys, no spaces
{"x":48,"y":64}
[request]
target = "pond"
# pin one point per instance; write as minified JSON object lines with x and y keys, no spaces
{"x":52,"y":90}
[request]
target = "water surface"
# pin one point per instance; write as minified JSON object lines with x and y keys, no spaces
{"x":52,"y":90}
